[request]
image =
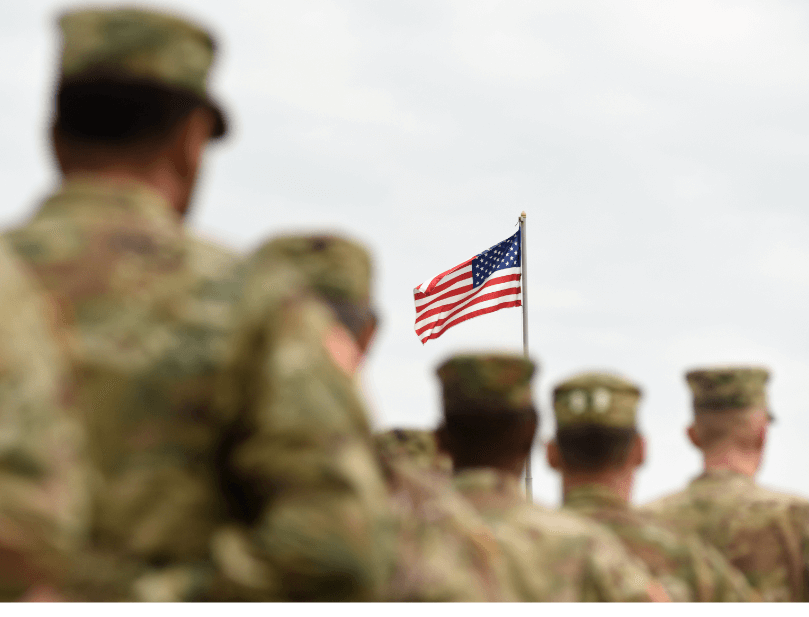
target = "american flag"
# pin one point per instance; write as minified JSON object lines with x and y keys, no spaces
{"x":486,"y":283}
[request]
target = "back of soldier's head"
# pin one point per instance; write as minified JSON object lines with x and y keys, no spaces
{"x":596,"y":420}
{"x":489,"y":415}
{"x":338,"y":269}
{"x":730,"y":405}
{"x":128,"y":77}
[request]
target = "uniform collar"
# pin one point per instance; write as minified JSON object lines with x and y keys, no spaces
{"x":132,"y":196}
{"x":723,"y":474}
{"x":488,"y":481}
{"x":589,"y":495}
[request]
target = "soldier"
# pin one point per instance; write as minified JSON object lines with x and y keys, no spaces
{"x":763,"y":533}
{"x":488,"y":430}
{"x":597,"y":450}
{"x":311,"y":520}
{"x":149,"y":305}
{"x":43,"y":479}
{"x":317,"y":521}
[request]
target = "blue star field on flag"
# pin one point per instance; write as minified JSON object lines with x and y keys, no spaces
{"x":506,"y":254}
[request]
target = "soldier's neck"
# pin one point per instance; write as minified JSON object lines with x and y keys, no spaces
{"x":512,"y":467}
{"x":159,"y":178}
{"x":732,"y":459}
{"x":619,"y":481}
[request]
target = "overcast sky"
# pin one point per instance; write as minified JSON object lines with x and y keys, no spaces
{"x":660,"y":151}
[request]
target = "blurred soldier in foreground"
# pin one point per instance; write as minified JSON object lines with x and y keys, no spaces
{"x":763,"y":533}
{"x":488,"y":430}
{"x":597,"y":450}
{"x":303,"y":482}
{"x":43,"y":480}
{"x":318,"y":522}
{"x":149,"y":305}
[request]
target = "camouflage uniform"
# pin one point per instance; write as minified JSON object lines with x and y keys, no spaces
{"x":549,"y":556}
{"x":43,"y":479}
{"x":689,"y":570}
{"x":315,"y":520}
{"x":764,"y":533}
{"x":314,"y":513}
{"x":445,"y":552}
{"x":150,"y":309}
{"x":419,"y":447}
{"x":327,"y":529}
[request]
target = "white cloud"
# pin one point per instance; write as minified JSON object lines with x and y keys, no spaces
{"x":787,"y":262}
{"x":551,"y":298}
{"x":310,"y":59}
{"x":753,"y":42}
{"x":718,"y":346}
{"x":496,"y":40}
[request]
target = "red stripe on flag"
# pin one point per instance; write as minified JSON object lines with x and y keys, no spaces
{"x":427,"y":300}
{"x":467,"y":297}
{"x":503,"y":293}
{"x":435,"y":295}
{"x":488,"y":309}
{"x":434,"y":282}
{"x":451,"y":309}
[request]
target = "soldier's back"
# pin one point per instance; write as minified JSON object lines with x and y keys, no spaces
{"x":445,"y":551}
{"x":149,"y":308}
{"x":554,"y":556}
{"x":690,"y":570}
{"x":43,"y":475}
{"x":763,"y":533}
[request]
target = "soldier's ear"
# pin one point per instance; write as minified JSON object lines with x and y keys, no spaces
{"x":638,"y":451}
{"x":553,"y":455}
{"x":367,"y":335}
{"x":193,"y":135}
{"x":58,"y":148}
{"x":761,"y":436}
{"x":693,"y":436}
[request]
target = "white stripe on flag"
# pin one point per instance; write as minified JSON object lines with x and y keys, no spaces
{"x":459,"y":302}
{"x":470,"y":309}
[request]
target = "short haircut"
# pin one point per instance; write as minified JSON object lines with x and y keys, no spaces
{"x":488,"y":439}
{"x":112,"y":112}
{"x":592,"y":447}
{"x":718,"y":426}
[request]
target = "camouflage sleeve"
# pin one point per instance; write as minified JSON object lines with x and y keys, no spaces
{"x":800,"y":516}
{"x":43,"y":485}
{"x":445,"y":552}
{"x":616,"y":576}
{"x":714,"y":578}
{"x":312,"y":496}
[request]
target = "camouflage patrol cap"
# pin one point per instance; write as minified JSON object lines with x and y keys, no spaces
{"x":596,"y":398}
{"x":418,"y":446}
{"x":728,"y":388}
{"x":334,"y":266}
{"x":496,"y":383}
{"x":140,"y":46}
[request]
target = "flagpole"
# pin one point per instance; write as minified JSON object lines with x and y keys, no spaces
{"x":529,"y":491}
